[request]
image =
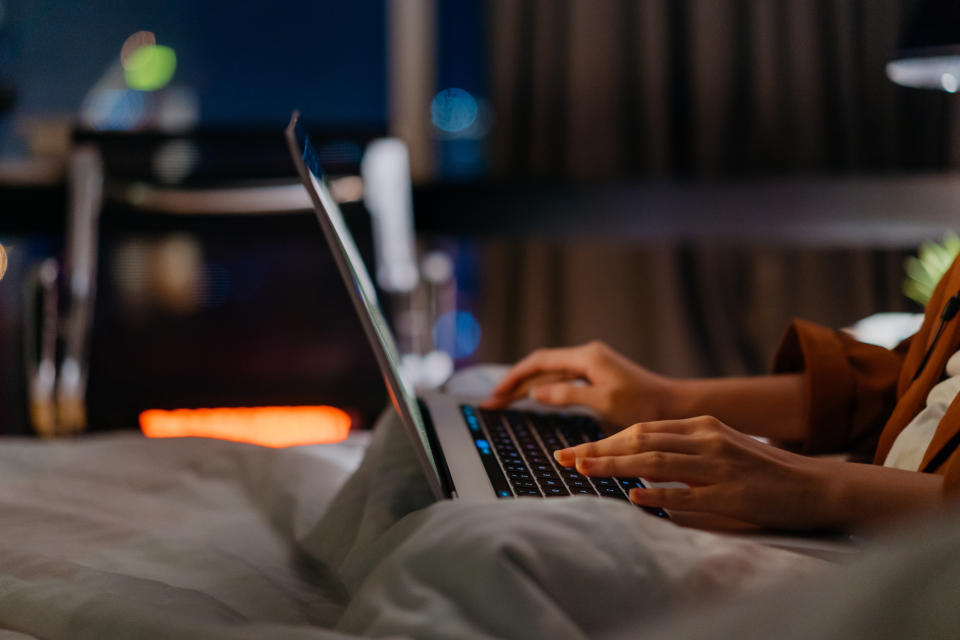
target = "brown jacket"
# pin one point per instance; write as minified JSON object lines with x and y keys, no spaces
{"x":860,"y":397}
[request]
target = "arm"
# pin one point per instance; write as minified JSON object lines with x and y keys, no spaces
{"x":623,"y":392}
{"x":856,"y":494}
{"x":768,"y":406}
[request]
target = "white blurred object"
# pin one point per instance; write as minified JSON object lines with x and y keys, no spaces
{"x":411,"y":367}
{"x":426,"y":371}
{"x":389,"y":198}
{"x":476,"y":381}
{"x":85,"y":181}
{"x":437,"y":367}
{"x":437,"y":267}
{"x":886,"y":329}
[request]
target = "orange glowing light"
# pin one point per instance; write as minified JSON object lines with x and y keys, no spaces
{"x":264,"y":426}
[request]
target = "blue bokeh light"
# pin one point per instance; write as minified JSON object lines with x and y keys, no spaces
{"x":453,"y":110}
{"x":457,"y":332}
{"x":116,"y":109}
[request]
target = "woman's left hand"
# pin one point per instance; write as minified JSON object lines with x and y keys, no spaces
{"x":727,"y":472}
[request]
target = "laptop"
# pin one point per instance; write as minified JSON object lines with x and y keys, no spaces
{"x":465,"y":451}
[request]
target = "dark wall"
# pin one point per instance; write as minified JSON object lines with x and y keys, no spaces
{"x":250,"y":63}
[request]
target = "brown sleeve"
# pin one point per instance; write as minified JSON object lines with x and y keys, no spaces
{"x":851,"y":387}
{"x":951,"y":478}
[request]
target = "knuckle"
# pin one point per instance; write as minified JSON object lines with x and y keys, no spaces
{"x":639,"y":439}
{"x":596,"y":350}
{"x":713,"y":441}
{"x":708,"y":423}
{"x":656,"y":460}
{"x":686,"y":497}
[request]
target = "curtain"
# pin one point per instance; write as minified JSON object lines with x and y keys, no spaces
{"x":681,"y":310}
{"x":693,"y":90}
{"x":706,"y":88}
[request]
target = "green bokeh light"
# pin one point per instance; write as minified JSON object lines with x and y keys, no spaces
{"x":150,"y":68}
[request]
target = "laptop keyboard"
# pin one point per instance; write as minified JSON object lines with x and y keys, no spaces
{"x":516,"y":448}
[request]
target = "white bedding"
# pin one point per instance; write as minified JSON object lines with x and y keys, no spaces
{"x":117,"y":536}
{"x":112,"y":536}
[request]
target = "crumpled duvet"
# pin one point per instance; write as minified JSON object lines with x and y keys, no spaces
{"x":117,"y":536}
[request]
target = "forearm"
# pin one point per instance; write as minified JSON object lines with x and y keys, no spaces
{"x":861,"y":494}
{"x":767,"y":406}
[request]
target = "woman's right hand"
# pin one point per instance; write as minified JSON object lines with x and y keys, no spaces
{"x":620,"y":391}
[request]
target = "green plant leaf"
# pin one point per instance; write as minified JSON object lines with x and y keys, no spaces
{"x":926,"y":269}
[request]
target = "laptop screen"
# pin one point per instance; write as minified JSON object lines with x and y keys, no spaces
{"x":341,"y":242}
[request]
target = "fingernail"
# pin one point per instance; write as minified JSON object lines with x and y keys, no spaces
{"x":583,"y":464}
{"x":562,"y":456}
{"x":634,"y":495}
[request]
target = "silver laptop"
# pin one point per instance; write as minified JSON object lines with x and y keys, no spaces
{"x":465,"y":451}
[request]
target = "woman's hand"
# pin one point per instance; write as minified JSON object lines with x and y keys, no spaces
{"x":728,"y":473}
{"x":620,"y":391}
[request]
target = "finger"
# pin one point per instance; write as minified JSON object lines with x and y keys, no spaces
{"x":569,"y":361}
{"x":635,"y":439}
{"x":688,"y":499}
{"x":526,"y":386}
{"x":530,"y":385}
{"x":653,"y":465}
{"x":665,"y":442}
{"x":564,"y":393}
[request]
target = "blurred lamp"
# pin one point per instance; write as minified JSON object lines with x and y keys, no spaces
{"x":929,"y":52}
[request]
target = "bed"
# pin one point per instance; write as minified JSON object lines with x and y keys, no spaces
{"x":116,"y":536}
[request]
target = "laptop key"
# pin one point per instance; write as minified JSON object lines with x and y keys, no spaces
{"x":529,"y":492}
{"x":612,"y":492}
{"x":585,"y":491}
{"x":488,"y":458}
{"x":555,"y":492}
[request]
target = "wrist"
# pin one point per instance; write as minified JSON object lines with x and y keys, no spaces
{"x":672,"y":399}
{"x":683,"y":399}
{"x":827,"y":491}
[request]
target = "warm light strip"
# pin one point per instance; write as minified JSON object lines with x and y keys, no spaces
{"x":265,"y":426}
